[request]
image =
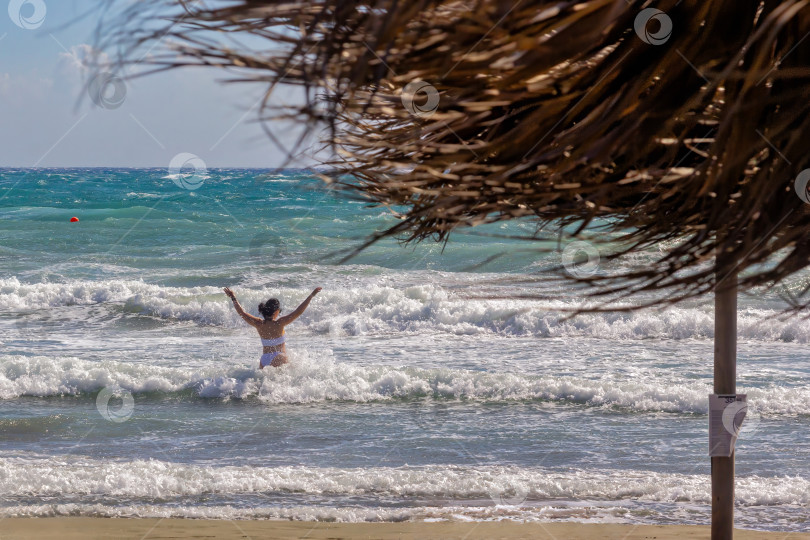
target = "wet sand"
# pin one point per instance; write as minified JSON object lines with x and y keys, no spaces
{"x":70,"y":528}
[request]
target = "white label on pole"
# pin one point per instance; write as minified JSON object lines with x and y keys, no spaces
{"x":726,"y":414}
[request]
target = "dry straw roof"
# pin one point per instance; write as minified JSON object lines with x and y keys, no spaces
{"x":683,"y":126}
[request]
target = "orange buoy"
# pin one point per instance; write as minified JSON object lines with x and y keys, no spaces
{"x":74,"y":219}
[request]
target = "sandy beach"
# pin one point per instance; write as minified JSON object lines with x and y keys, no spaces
{"x":90,"y":528}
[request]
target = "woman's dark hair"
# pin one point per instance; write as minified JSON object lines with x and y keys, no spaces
{"x":267,"y":309}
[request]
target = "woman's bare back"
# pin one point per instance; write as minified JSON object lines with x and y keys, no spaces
{"x":273,"y":330}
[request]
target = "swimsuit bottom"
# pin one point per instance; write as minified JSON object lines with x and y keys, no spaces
{"x":267,"y":358}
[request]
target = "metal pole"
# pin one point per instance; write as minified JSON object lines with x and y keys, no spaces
{"x":725,"y":382}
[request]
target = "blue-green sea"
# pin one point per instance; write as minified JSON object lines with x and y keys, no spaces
{"x":426,"y":382}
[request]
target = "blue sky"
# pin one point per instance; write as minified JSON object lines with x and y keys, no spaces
{"x":47,"y":119}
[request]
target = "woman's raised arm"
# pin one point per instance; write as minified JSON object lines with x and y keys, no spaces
{"x":287,"y":319}
{"x":250,"y":319}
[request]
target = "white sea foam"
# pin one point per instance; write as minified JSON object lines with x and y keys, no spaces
{"x":180,"y":176}
{"x":137,"y":195}
{"x":369,"y":308}
{"x":627,"y":511}
{"x":296,"y":513}
{"x":154,"y":479}
{"x":311,"y":380}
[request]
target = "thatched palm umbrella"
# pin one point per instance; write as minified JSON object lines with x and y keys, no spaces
{"x":681,"y":125}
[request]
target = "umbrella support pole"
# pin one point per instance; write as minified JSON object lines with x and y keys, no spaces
{"x":725,"y":382}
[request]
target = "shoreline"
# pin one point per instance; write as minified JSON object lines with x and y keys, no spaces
{"x":70,"y":528}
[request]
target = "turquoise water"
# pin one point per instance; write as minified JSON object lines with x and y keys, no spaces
{"x":423,"y":383}
{"x":140,"y":219}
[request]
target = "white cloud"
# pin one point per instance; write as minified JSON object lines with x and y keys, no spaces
{"x":82,"y":59}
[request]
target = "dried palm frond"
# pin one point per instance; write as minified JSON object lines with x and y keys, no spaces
{"x":567,"y":113}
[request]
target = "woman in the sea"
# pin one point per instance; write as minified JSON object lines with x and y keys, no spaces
{"x":271,"y":329}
